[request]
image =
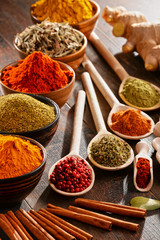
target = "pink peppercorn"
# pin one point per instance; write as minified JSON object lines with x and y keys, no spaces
{"x":71,"y":175}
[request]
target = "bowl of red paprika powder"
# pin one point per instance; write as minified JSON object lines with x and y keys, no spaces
{"x":39,"y":74}
{"x":20,"y":175}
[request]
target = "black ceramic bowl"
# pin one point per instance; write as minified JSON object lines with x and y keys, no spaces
{"x":14,"y":190}
{"x":45,"y":134}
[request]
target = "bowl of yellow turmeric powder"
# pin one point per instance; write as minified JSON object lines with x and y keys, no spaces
{"x":22,"y":164}
{"x":81,"y":14}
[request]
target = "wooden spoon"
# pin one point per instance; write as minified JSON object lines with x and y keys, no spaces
{"x":156,"y":145}
{"x":119,"y":70}
{"x":156,"y":130}
{"x":142,"y":149}
{"x":99,"y":123}
{"x":75,"y":144}
{"x":111,"y":99}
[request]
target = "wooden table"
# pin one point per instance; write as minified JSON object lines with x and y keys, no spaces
{"x":109,"y":186}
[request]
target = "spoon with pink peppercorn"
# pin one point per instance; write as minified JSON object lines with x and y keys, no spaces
{"x":72,"y":175}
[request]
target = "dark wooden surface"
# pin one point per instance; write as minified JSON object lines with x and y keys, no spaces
{"x":109,"y":186}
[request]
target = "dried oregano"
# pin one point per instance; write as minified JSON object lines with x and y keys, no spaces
{"x":110,"y":151}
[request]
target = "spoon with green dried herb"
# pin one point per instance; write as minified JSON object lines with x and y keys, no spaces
{"x":105,"y":150}
{"x":133,"y":91}
{"x":123,"y":120}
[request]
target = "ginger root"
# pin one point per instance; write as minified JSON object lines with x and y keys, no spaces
{"x":141,"y":35}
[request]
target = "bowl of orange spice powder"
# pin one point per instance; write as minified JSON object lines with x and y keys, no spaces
{"x":20,"y":168}
{"x":80,"y":14}
{"x":41,"y":75}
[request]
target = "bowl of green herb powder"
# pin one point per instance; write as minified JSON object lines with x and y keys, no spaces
{"x":29,"y":115}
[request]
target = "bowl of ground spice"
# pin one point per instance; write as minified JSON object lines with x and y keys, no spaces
{"x":81,"y":14}
{"x":41,"y":75}
{"x":29,"y":115}
{"x":59,"y":41}
{"x":21,"y":167}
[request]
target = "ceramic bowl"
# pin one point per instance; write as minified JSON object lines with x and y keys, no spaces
{"x":73,"y":60}
{"x":85,"y":27}
{"x":14,"y":190}
{"x":59,"y":96}
{"x":45,"y":134}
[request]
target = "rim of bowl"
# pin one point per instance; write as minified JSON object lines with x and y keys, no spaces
{"x":38,"y":97}
{"x":96,"y":14}
{"x":62,"y":64}
{"x":72,"y":55}
{"x":7,"y":180}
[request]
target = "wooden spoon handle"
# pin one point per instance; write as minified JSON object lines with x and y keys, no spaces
{"x":99,"y":81}
{"x":77,"y":122}
{"x":142,"y":147}
{"x":110,"y":59}
{"x":93,"y":102}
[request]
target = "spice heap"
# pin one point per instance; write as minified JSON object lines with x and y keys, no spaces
{"x":18,"y":156}
{"x":71,"y":175}
{"x":22,"y":113}
{"x":54,"y":39}
{"x":110,"y":151}
{"x":130,"y":122}
{"x":140,"y":93}
{"x":143,"y":172}
{"x":71,"y":11}
{"x":37,"y":73}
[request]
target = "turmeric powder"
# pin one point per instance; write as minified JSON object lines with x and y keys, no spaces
{"x":18,"y":156}
{"x":71,"y":11}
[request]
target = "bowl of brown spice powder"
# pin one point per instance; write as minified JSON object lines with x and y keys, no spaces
{"x":31,"y":116}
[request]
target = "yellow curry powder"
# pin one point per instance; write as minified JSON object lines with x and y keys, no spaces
{"x":18,"y":156}
{"x":71,"y":11}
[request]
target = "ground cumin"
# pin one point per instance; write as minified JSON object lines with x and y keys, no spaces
{"x":23,"y":113}
{"x":18,"y":156}
{"x":130,"y":122}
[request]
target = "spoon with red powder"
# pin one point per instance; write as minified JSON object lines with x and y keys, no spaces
{"x":125,"y":121}
{"x":143,"y":168}
{"x":72,"y":175}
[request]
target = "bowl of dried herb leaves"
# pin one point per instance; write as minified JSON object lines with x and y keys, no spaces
{"x":59,"y":41}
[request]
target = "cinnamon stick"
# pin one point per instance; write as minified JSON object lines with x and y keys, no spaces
{"x":47,"y":228}
{"x":115,"y":221}
{"x":117,"y":205}
{"x":82,"y":217}
{"x":13,"y":216}
{"x":17,"y":228}
{"x":14,"y":232}
{"x":56,"y":231}
{"x":75,"y":231}
{"x":108,"y":208}
{"x":34,"y":228}
{"x":7,"y":230}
